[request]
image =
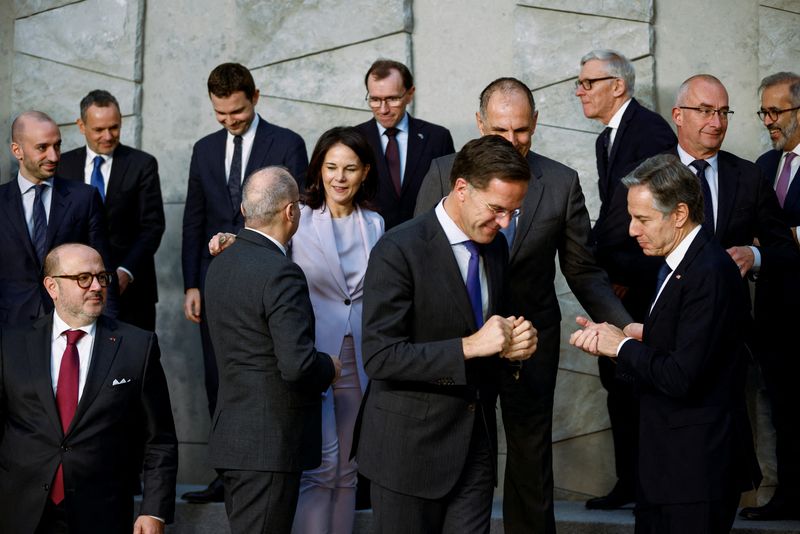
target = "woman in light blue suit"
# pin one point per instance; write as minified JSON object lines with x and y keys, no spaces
{"x":332,"y":245}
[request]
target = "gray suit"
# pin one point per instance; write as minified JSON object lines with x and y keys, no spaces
{"x":554,"y":221}
{"x":267,"y":422}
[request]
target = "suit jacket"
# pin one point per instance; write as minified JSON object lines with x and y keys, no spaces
{"x":553,"y":220}
{"x":268,"y":415}
{"x":337,"y":310}
{"x":134,"y":212}
{"x":641,"y":134}
{"x":76,"y":216}
{"x":418,"y":414}
{"x":114,"y":428}
{"x":690,"y":370}
{"x":426,"y":141}
{"x":208,"y":203}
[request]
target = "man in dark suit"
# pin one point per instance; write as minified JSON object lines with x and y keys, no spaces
{"x":403,"y":145}
{"x":696,"y":451}
{"x":633,"y":133}
{"x":553,"y":221}
{"x":39,"y":212}
{"x":127,"y":180}
{"x":219,"y":163}
{"x":780,"y":112}
{"x":267,"y":425}
{"x":433,"y":293}
{"x":83,"y":407}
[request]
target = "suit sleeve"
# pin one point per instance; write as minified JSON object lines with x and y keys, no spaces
{"x":160,"y":458}
{"x":194,"y":221}
{"x":778,"y":248}
{"x":297,"y":160}
{"x":432,"y":189}
{"x":151,"y":219}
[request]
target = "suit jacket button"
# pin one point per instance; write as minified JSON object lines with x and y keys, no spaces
{"x":46,"y":487}
{"x":347,"y":302}
{"x":471,"y":407}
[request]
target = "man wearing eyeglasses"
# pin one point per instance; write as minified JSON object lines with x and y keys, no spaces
{"x":404,"y":146}
{"x":632,"y":134}
{"x":83,"y":406}
{"x":775,"y":294}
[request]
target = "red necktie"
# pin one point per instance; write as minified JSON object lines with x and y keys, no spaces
{"x":393,"y":158}
{"x":66,"y":399}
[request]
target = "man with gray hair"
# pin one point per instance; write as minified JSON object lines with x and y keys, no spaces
{"x":266,"y":428}
{"x":633,"y":133}
{"x":780,"y":112}
{"x":687,"y":363}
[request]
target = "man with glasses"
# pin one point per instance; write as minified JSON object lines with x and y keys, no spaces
{"x":84,"y":406}
{"x":404,"y":146}
{"x":632,"y":134}
{"x":775,"y":294}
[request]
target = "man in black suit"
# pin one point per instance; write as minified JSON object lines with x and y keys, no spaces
{"x":219,"y":163}
{"x":83,"y":407}
{"x":403,"y":145}
{"x":554,"y":221}
{"x":433,"y":295}
{"x":687,"y":362}
{"x":633,"y":133}
{"x":267,"y":425}
{"x":39,"y":212}
{"x":780,"y":112}
{"x":127,"y":180}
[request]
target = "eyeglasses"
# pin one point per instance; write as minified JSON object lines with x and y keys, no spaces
{"x":85,"y":279}
{"x":500,"y":213}
{"x":707,"y":113}
{"x":391,"y":101}
{"x":587,"y":83}
{"x":773,"y":113}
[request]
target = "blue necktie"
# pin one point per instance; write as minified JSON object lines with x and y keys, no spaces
{"x":474,"y":282}
{"x":701,"y":165}
{"x":97,"y":177}
{"x":39,"y":223}
{"x":663,"y":273}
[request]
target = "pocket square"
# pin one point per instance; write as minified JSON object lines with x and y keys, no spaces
{"x":118,"y":381}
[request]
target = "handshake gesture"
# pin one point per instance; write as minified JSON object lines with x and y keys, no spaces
{"x":513,"y":338}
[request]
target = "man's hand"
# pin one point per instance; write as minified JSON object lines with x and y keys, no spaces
{"x":148,"y":525}
{"x":524,"y":340}
{"x":123,"y":279}
{"x":191,"y":304}
{"x":493,"y":337}
{"x":596,"y":339}
{"x":634,"y":330}
{"x":744,"y":258}
{"x":219,"y":242}
{"x":337,"y":367}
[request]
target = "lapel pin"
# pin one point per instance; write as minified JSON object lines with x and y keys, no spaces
{"x":112,"y":339}
{"x":677,"y":277}
{"x":421,"y":136}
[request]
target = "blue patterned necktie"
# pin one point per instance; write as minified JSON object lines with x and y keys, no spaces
{"x":97,"y":177}
{"x":701,"y":165}
{"x":39,"y":223}
{"x":473,"y":282}
{"x":235,"y":174}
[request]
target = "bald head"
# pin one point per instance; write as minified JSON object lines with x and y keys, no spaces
{"x":701,"y":115}
{"x":27,"y":118}
{"x":76,"y":303}
{"x":265,"y":194}
{"x":36,"y":144}
{"x":52,"y":262}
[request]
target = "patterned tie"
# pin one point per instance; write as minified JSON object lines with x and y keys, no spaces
{"x":97,"y":177}
{"x":393,"y":158}
{"x":66,"y":399}
{"x":701,"y":165}
{"x":39,"y":223}
{"x":473,"y":282}
{"x":235,"y":174}
{"x":782,"y":186}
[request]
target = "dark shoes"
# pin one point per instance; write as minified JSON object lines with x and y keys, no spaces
{"x":213,"y":493}
{"x":778,"y":507}
{"x":617,"y":498}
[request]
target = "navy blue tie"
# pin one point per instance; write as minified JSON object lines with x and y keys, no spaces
{"x":235,"y":175}
{"x":39,"y":223}
{"x":97,"y":177}
{"x":701,"y":165}
{"x":473,"y":282}
{"x":663,"y":273}
{"x":509,"y":231}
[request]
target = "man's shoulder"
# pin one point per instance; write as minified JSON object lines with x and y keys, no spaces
{"x":133,"y":154}
{"x":73,"y":155}
{"x":729,"y":160}
{"x":770,"y":157}
{"x":548,"y":166}
{"x":285,"y":134}
{"x":120,"y":328}
{"x":207,"y":141}
{"x":366,"y":126}
{"x":415,"y":230}
{"x":423,"y":125}
{"x":76,"y":187}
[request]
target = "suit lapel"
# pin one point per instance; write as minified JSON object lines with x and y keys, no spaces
{"x":119,"y":169}
{"x":630,"y":111}
{"x":39,"y":342}
{"x":261,"y":147}
{"x":529,"y":205}
{"x":672,"y":288}
{"x":59,"y":206}
{"x":15,"y":215}
{"x":416,"y":143}
{"x":374,"y":138}
{"x":727,"y":187}
{"x":323,"y":226}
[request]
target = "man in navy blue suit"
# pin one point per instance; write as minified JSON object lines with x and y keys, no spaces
{"x":39,"y":212}
{"x":780,"y":112}
{"x":220,"y":162}
{"x":632,"y":134}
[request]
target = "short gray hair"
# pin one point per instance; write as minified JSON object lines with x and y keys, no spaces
{"x":671,"y":183}
{"x":680,"y":95}
{"x":784,"y":77}
{"x":617,"y":66}
{"x":265,"y":193}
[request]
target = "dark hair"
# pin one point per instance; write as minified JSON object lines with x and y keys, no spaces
{"x":228,"y":78}
{"x":789,"y":78}
{"x":487,"y":157}
{"x":506,"y":86}
{"x":671,"y":183}
{"x":383,"y":68}
{"x":353,"y":139}
{"x":99,"y":98}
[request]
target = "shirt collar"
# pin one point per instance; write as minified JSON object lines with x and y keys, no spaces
{"x":675,"y":257}
{"x":25,"y":184}
{"x":250,"y":134}
{"x":454,"y":234}
{"x":59,"y":326}
{"x":91,"y":154}
{"x":278,"y":243}
{"x":687,"y":160}
{"x":402,"y":125}
{"x":617,"y":118}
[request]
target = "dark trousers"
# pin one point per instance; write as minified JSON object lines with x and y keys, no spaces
{"x":623,"y":412}
{"x":527,"y":406}
{"x":466,"y":509}
{"x":54,"y":519}
{"x":260,"y":502}
{"x":711,"y":517}
{"x":209,"y":362}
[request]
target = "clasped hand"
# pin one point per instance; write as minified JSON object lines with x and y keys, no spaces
{"x":513,"y":338}
{"x":602,"y":339}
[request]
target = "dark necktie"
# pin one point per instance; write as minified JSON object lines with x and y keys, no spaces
{"x":393,"y":158}
{"x":509,"y":231}
{"x":97,"y":177}
{"x":701,"y":165}
{"x":782,"y":186}
{"x":235,"y":174}
{"x":66,"y":399}
{"x":601,"y":149}
{"x":39,"y":223}
{"x":663,"y":273}
{"x":473,"y":282}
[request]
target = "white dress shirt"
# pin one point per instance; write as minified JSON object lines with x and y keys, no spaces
{"x":105,"y":168}
{"x":59,"y":344}
{"x":280,"y":245}
{"x":247,"y":146}
{"x":402,"y":142}
{"x":614,"y":123}
{"x":26,"y":189}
